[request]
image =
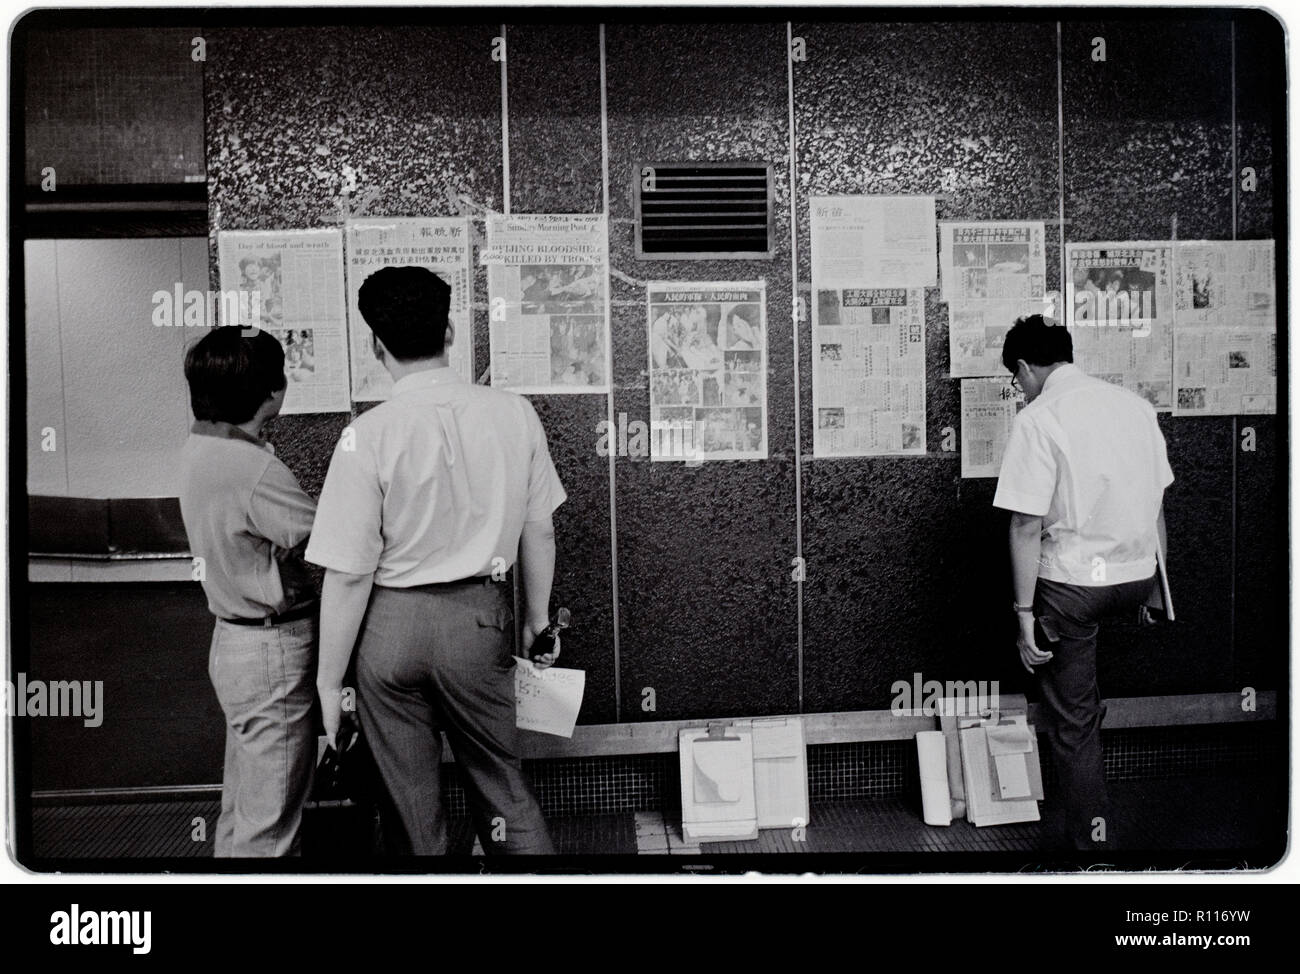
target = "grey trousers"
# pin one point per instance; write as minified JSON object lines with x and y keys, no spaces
{"x":1067,"y":624}
{"x":441,"y":658}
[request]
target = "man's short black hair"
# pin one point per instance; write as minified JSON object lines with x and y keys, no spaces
{"x":1037,"y":342}
{"x":407,"y":308}
{"x":231,"y":374}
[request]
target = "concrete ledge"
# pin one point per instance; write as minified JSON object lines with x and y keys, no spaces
{"x":846,"y":727}
{"x":658,"y":737}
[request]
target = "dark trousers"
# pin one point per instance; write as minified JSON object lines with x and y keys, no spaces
{"x":440,"y":658}
{"x":1067,"y":617}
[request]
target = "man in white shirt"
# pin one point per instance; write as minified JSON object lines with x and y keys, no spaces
{"x":1084,"y":476}
{"x":428,"y":498}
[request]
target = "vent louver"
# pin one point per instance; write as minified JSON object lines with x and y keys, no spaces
{"x":702,"y":210}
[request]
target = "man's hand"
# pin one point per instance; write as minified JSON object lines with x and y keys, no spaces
{"x":331,"y":712}
{"x":1030,"y":654}
{"x":533,"y":629}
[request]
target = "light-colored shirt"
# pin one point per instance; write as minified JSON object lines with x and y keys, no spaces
{"x":247,"y":518}
{"x":435,"y":484}
{"x":1089,"y":457}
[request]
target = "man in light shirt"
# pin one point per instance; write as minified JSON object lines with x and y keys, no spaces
{"x":1084,"y":476}
{"x":428,"y":498}
{"x":247,"y":520}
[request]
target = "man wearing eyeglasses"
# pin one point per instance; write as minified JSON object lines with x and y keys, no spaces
{"x":1083,"y":476}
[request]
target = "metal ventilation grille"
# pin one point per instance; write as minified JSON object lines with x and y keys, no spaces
{"x":699,"y":210}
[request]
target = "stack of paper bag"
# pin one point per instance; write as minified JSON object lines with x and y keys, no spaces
{"x":1001,"y":771}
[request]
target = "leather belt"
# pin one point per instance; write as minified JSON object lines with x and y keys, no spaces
{"x":298,"y":612}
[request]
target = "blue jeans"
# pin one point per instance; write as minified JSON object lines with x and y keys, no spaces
{"x":265,"y":681}
{"x":1067,"y":624}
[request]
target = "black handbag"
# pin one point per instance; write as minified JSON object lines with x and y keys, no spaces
{"x":346,"y":773}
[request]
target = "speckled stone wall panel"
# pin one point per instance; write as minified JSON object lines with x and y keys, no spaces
{"x":1147,"y":132}
{"x":707,"y":607}
{"x":1260,"y":650}
{"x":309,"y":126}
{"x":1260,"y":646}
{"x":555,"y":167}
{"x":1148,"y":139}
{"x":907,"y":563}
{"x":1259,"y":96}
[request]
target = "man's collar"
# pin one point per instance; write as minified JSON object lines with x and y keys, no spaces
{"x":425,"y":378}
{"x":226,"y":431}
{"x":1066,"y":368}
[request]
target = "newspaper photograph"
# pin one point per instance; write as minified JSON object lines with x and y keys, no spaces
{"x":708,"y":370}
{"x":1224,"y":371}
{"x":994,"y":260}
{"x":868,"y":361}
{"x":441,"y":244}
{"x":988,"y":407}
{"x":1120,"y":311}
{"x":993,"y":272}
{"x":1225,"y":282}
{"x":876,"y":241}
{"x":298,"y":275}
{"x":548,"y":291}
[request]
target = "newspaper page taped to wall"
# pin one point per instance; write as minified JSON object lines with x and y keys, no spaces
{"x":868,"y":361}
{"x":548,"y":282}
{"x":298,"y":276}
{"x":708,"y":370}
{"x":1225,"y":328}
{"x":988,"y":407}
{"x":442,"y":244}
{"x":1120,"y":311}
{"x":873,"y":241}
{"x":993,"y":273}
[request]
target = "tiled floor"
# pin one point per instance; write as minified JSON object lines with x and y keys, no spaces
{"x":1222,"y":812}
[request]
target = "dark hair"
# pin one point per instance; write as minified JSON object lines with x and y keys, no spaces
{"x":407,"y":309}
{"x":1035,"y":341}
{"x":231,"y":374}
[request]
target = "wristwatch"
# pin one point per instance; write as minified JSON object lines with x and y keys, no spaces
{"x":1022,"y":608}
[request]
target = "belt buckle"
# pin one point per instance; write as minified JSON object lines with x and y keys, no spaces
{"x":268,"y":622}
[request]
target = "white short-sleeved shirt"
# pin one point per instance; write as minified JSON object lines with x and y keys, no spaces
{"x":434,"y":484}
{"x":1089,"y":457}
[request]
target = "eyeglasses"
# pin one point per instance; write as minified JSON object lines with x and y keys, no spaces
{"x":1015,"y":382}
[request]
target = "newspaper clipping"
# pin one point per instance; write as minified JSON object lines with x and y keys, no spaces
{"x":298,"y":275}
{"x":993,"y":273}
{"x":988,"y":407}
{"x":1225,"y":333}
{"x":547,"y":289}
{"x":873,"y":241}
{"x":1120,"y":310}
{"x":868,"y":371}
{"x":708,"y":370}
{"x":438,"y":243}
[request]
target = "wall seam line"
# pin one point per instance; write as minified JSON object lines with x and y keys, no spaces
{"x":505,"y":127}
{"x":795,"y":323}
{"x":1060,"y":173}
{"x":517,"y":581}
{"x":609,"y":399}
{"x":1233,"y":446}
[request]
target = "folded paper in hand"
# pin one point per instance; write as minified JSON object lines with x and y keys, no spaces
{"x":547,"y":700}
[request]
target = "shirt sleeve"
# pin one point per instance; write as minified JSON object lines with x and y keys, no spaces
{"x":545,"y":492}
{"x":348,"y":535}
{"x":278,"y":509}
{"x":1027,"y":480}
